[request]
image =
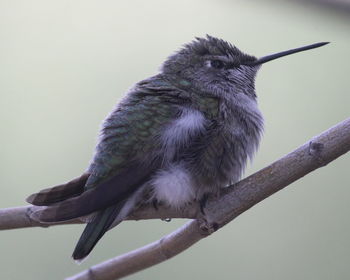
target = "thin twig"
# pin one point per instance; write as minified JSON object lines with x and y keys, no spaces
{"x":336,"y":5}
{"x":146,"y":256}
{"x":20,"y":217}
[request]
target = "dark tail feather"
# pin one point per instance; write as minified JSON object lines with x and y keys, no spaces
{"x":96,"y":229}
{"x":59,"y":193}
{"x":110,"y":192}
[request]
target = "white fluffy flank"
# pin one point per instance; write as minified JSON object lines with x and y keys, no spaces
{"x":173,"y":186}
{"x":180,"y":131}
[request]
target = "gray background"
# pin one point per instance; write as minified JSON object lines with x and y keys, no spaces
{"x":63,"y":66}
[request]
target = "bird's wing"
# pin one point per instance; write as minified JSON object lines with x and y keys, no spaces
{"x":60,"y":192}
{"x":127,"y":155}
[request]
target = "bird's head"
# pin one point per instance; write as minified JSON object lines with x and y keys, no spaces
{"x":214,"y":66}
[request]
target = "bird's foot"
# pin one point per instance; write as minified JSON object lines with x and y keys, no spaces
{"x":155,"y":203}
{"x":203,"y":202}
{"x":206,"y":224}
{"x":207,"y":227}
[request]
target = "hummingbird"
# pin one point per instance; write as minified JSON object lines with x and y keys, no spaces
{"x":175,"y":138}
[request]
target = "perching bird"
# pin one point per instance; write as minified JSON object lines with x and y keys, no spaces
{"x":175,"y":138}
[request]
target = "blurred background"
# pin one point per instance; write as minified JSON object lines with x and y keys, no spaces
{"x":63,"y":66}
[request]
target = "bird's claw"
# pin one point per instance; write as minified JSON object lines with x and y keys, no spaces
{"x":203,"y":202}
{"x":155,"y":204}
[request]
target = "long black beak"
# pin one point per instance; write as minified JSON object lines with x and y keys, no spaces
{"x":284,"y":53}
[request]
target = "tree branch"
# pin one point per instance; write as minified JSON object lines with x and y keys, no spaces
{"x":337,"y":5}
{"x":20,"y":217}
{"x":233,"y":201}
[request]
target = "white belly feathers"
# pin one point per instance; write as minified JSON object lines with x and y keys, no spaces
{"x":174,"y":184}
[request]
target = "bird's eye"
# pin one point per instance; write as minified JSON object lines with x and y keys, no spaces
{"x":218,"y":64}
